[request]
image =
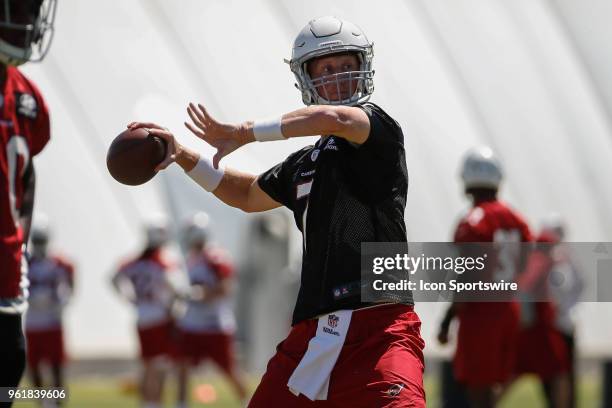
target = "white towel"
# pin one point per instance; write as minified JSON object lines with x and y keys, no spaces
{"x":311,"y":376}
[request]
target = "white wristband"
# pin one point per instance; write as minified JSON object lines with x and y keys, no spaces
{"x":268,"y":130}
{"x":206,"y":175}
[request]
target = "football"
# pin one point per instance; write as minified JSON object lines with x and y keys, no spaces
{"x":133,"y":156}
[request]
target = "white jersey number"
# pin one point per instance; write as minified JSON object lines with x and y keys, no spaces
{"x":508,"y":255}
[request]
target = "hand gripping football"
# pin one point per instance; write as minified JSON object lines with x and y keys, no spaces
{"x":133,"y":156}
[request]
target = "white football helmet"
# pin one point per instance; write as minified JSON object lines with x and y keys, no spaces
{"x":327,"y":36}
{"x":195,"y":230}
{"x":157,"y":231}
{"x":40,"y":234}
{"x":26,"y":30}
{"x":553,"y":224}
{"x":481,"y":169}
{"x":40,"y":230}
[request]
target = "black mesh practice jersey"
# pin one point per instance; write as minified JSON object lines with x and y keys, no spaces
{"x":341,"y":195}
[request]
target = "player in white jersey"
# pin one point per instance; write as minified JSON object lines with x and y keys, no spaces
{"x":51,"y":286}
{"x":207,"y":327}
{"x":147,"y":283}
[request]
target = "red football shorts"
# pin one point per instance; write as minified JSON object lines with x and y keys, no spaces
{"x":486,"y":343}
{"x":156,"y":340}
{"x":195,"y":347}
{"x":45,"y":345}
{"x":543,"y":350}
{"x":380,"y":365}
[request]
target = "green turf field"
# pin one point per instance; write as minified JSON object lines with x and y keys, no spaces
{"x":106,"y":393}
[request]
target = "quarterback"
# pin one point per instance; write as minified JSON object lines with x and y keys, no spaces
{"x":349,"y":187}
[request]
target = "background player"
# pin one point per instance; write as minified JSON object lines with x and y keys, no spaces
{"x":206,"y":329}
{"x":566,"y":286}
{"x":51,"y":286}
{"x":543,"y":348}
{"x":487,"y":337}
{"x":145,"y":281}
{"x":25,"y":29}
{"x":349,"y":188}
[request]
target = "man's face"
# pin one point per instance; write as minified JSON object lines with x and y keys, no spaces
{"x":325,"y":70}
{"x":16,"y":12}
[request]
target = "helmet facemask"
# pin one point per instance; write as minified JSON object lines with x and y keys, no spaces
{"x":26,"y":30}
{"x":315,"y":91}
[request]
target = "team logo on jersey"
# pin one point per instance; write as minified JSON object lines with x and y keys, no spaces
{"x":332,"y":321}
{"x":331,"y":144}
{"x":314,"y":155}
{"x":26,"y":105}
{"x":349,"y":289}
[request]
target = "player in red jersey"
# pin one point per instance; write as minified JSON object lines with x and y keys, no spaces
{"x":544,"y":351}
{"x":25,"y":30}
{"x":147,"y":283}
{"x":487,"y":337}
{"x":206,"y":330}
{"x":566,"y":287}
{"x":51,"y":286}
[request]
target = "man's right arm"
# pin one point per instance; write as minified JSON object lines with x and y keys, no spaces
{"x":237,"y":189}
{"x":242,"y":191}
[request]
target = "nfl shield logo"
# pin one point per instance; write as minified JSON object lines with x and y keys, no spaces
{"x":332,"y":320}
{"x":314,"y":155}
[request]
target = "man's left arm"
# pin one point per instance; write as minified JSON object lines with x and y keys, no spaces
{"x":347,"y":122}
{"x":350,"y":123}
